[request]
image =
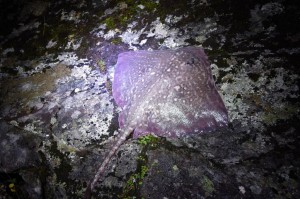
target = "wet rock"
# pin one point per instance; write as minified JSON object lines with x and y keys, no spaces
{"x":18,"y":149}
{"x":58,"y":119}
{"x":32,"y":184}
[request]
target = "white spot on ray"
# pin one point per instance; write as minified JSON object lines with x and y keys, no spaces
{"x":177,"y":88}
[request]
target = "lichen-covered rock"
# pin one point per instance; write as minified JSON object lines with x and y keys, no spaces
{"x":58,"y":118}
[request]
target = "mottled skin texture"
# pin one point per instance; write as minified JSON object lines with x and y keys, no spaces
{"x":168,"y":93}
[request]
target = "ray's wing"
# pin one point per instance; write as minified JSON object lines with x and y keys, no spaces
{"x":169,"y":93}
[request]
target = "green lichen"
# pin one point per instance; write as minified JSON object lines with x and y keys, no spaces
{"x":121,"y":19}
{"x":274,"y":114}
{"x":149,"y":5}
{"x":148,"y":140}
{"x":110,"y":22}
{"x":135,"y":182}
{"x":102,"y":66}
{"x":116,"y":40}
{"x":208,"y":186}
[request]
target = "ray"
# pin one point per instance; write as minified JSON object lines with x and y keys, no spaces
{"x":167,"y":93}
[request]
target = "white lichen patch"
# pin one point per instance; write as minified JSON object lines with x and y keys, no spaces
{"x":257,"y":101}
{"x":205,"y":29}
{"x":131,"y":37}
{"x":242,"y":189}
{"x":141,"y":7}
{"x":172,"y":36}
{"x":85,"y":114}
{"x":72,"y":93}
{"x":73,"y":44}
{"x":32,"y":128}
{"x":8,"y":50}
{"x":70,"y":16}
{"x":159,"y":30}
{"x":165,"y":32}
{"x":171,"y":19}
{"x":37,"y":65}
{"x":51,"y":44}
{"x":110,"y":34}
{"x":69,"y":58}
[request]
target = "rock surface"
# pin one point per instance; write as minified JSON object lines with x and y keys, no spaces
{"x":58,"y":118}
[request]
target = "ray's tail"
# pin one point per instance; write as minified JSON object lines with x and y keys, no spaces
{"x":120,"y":140}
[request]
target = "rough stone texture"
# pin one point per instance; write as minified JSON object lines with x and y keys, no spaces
{"x":58,"y":118}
